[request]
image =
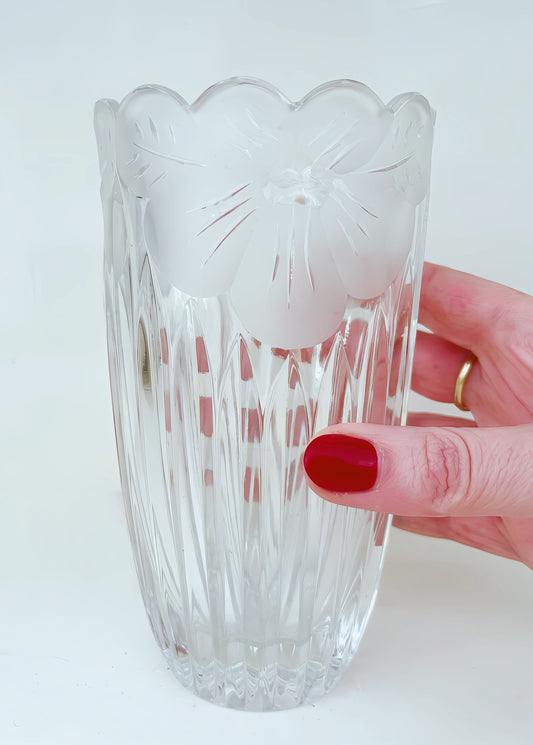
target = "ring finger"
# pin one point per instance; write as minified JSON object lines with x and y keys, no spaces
{"x":436,"y":366}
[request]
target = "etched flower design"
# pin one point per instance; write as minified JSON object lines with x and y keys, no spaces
{"x":289,"y":208}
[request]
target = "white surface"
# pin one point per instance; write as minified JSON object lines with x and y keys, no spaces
{"x":448,"y":655}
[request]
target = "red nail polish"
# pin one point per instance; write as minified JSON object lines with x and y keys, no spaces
{"x":340,"y":463}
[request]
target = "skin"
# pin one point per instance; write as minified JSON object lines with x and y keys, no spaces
{"x":471,"y":482}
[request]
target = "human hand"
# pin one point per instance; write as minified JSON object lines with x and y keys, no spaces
{"x":444,"y":476}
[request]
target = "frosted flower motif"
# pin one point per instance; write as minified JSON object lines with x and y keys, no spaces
{"x":289,"y":208}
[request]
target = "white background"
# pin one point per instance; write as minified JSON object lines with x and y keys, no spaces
{"x":448,"y":655}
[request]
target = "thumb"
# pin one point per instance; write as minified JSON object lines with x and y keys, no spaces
{"x":424,"y":471}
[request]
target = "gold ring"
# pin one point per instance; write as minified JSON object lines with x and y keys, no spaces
{"x":464,"y":372}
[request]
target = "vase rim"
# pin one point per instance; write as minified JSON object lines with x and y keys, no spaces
{"x":243,"y":80}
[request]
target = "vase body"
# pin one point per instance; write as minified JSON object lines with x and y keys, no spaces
{"x":262,"y":271}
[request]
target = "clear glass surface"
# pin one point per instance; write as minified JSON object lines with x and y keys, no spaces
{"x":262,"y":269}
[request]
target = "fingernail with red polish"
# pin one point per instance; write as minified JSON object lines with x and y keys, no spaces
{"x":340,"y":463}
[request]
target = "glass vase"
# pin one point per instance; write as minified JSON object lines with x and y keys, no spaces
{"x":262,"y":269}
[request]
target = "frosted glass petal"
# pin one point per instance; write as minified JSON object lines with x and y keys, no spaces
{"x":286,"y":291}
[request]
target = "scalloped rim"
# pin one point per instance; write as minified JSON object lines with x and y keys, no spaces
{"x":394,"y":105}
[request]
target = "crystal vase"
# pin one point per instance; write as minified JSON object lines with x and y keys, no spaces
{"x":262,"y":269}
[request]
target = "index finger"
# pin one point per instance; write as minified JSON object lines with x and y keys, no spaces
{"x":471,"y":312}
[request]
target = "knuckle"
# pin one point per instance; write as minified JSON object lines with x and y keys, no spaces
{"x":447,"y":471}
